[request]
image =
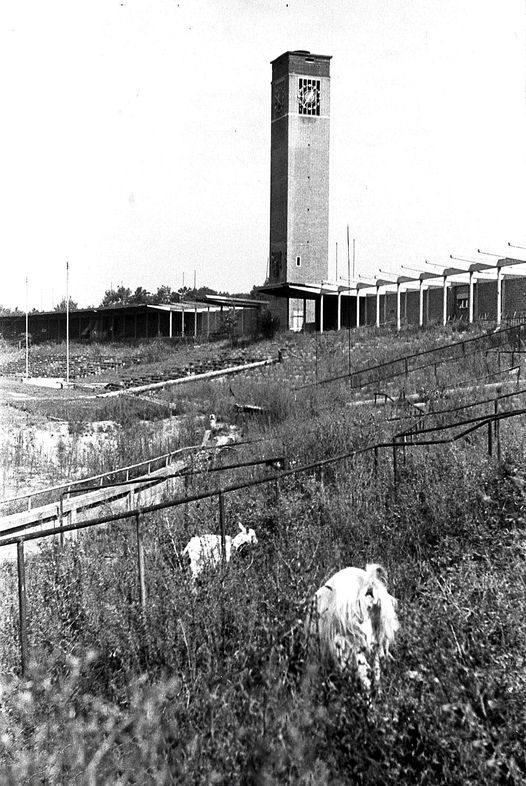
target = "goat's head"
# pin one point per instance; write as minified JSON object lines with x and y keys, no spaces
{"x":244,"y":536}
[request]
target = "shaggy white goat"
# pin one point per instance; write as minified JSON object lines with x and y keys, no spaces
{"x":353,"y":621}
{"x":220,"y":434}
{"x":205,"y":550}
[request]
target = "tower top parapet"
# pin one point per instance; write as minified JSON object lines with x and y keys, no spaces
{"x":301,"y":61}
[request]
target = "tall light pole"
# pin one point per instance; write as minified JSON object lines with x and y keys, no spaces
{"x":67,"y":322}
{"x":27,"y":334}
{"x":349,"y":295}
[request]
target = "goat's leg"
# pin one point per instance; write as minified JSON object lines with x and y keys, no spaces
{"x":376,"y":669}
{"x":362,"y":667}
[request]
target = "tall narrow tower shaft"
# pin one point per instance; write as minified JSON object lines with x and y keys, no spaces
{"x":299,"y":190}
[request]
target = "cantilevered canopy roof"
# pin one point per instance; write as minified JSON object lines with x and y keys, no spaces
{"x":305,"y":291}
{"x":432,"y":279}
{"x":237,"y":302}
{"x":187,"y":305}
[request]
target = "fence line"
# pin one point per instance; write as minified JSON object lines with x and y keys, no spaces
{"x":486,"y":339}
{"x":164,"y":457}
{"x":399,"y":442}
{"x":416,"y":428}
{"x":151,"y":480}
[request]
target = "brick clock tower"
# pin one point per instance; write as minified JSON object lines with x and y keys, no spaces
{"x":299,"y":169}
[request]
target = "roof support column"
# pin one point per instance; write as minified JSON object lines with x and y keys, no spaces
{"x":470,"y":318}
{"x":304,"y":315}
{"x":195,"y":321}
{"x":444,"y":302}
{"x":499,"y":295}
{"x":398,"y":321}
{"x":170,"y":326}
{"x":339,"y":318}
{"x":421,"y":305}
{"x":321,"y":313}
{"x":357,"y":307}
{"x":207,"y":322}
{"x":377,"y":306}
{"x":182,"y":321}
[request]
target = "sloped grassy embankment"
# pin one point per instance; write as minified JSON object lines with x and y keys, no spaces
{"x":212,"y":687}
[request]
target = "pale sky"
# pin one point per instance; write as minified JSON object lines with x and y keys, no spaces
{"x":136,"y":136}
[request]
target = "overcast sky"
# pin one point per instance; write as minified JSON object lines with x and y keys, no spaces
{"x":136,"y":136}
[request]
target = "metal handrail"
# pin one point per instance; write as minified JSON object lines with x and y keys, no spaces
{"x":396,"y":444}
{"x":405,"y":358}
{"x":100,"y":476}
{"x":473,"y":404}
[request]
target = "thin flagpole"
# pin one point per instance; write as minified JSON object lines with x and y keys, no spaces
{"x":27,"y":334}
{"x":349,"y":297}
{"x":67,"y":322}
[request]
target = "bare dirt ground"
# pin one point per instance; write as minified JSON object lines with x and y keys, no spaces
{"x":24,"y":432}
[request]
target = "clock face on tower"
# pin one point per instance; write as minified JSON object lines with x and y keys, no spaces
{"x":309,"y":96}
{"x":278,"y":99}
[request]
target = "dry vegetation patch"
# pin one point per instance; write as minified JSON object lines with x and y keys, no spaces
{"x":211,"y":686}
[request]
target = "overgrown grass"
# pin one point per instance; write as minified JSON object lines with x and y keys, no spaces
{"x":212,"y":686}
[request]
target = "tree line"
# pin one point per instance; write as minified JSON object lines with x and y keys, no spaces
{"x":124,"y":296}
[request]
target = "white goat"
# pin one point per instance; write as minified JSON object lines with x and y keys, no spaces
{"x":220,"y":434}
{"x":205,"y":550}
{"x":353,"y":621}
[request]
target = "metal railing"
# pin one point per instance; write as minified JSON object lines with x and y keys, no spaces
{"x":145,"y":482}
{"x":164,"y":458}
{"x":405,"y":364}
{"x":401,"y":442}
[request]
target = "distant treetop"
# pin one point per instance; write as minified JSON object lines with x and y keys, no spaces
{"x":165,"y":294}
{"x":61,"y":306}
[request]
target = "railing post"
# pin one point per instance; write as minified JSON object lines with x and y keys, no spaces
{"x":395,"y":462}
{"x":497,"y":429}
{"x":375,"y":465}
{"x":185,"y":507}
{"x":61,"y":517}
{"x":222,"y":527}
{"x":140,"y":563}
{"x":490,"y":438}
{"x":22,"y":606}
